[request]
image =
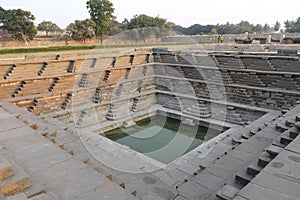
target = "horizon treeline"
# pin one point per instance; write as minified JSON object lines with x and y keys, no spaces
{"x":19,"y":24}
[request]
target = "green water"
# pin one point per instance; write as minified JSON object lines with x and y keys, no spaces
{"x":162,"y":138}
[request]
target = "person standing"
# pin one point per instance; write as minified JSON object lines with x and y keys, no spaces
{"x":221,"y":38}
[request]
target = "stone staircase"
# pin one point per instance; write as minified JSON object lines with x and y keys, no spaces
{"x":40,"y":73}
{"x":84,"y":80}
{"x":19,"y":89}
{"x":243,"y":97}
{"x":10,"y":71}
{"x":119,"y":90}
{"x":107,"y":74}
{"x":67,"y":101}
{"x":201,"y":110}
{"x":128,"y":70}
{"x":71,"y":68}
{"x":134,"y":105}
{"x":33,"y":105}
{"x":52,"y":86}
{"x":97,"y":97}
{"x":145,"y":68}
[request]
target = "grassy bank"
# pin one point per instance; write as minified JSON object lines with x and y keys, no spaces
{"x":81,"y":47}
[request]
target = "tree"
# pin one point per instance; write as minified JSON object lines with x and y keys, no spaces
{"x":160,"y":32}
{"x":197,"y":29}
{"x":176,"y":28}
{"x":288,"y":25}
{"x":277,"y":26}
{"x":18,"y":23}
{"x":101,"y":12}
{"x":82,"y":30}
{"x":292,"y":26}
{"x":48,"y":26}
{"x":2,"y":16}
{"x":258,"y":28}
{"x":147,"y":26}
{"x":124,"y":24}
{"x":267,"y":28}
{"x":142,"y":21}
{"x":214,"y":31}
{"x":116,"y":28}
{"x":243,"y":27}
{"x":132,"y":35}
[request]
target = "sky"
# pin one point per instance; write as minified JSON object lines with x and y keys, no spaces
{"x":184,"y":13}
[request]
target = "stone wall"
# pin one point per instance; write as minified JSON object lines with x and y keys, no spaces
{"x":227,"y":38}
{"x":109,"y":83}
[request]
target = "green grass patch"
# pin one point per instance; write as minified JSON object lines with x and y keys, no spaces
{"x":44,"y":49}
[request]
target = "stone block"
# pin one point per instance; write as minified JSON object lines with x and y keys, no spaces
{"x":294,"y":147}
{"x":20,"y":196}
{"x":6,"y":169}
{"x":243,"y":178}
{"x":43,"y":196}
{"x":253,"y":169}
{"x":273,"y":151}
{"x":36,"y":187}
{"x":239,"y":198}
{"x":220,"y":172}
{"x":192,"y":190}
{"x":209,"y":181}
{"x":264,"y":159}
{"x":227,"y":192}
{"x":270,"y":182}
{"x":107,"y":190}
{"x":230,"y":163}
{"x":9,"y":124}
{"x":256,"y":192}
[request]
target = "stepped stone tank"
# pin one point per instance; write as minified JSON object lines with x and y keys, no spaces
{"x":55,"y":112}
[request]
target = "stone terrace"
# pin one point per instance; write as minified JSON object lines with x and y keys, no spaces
{"x":53,"y":107}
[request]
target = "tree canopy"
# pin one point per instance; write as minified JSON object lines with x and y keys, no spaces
{"x":2,"y":15}
{"x":101,"y":12}
{"x":277,"y":26}
{"x":292,"y":26}
{"x":81,"y":30}
{"x":240,"y":28}
{"x":143,"y":26}
{"x":48,"y":27}
{"x":18,"y":23}
{"x":142,"y":21}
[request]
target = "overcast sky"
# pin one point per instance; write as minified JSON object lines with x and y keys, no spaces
{"x":185,"y":13}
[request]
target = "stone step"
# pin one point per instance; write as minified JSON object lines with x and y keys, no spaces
{"x":293,"y":134}
{"x":282,"y":128}
{"x":243,"y":178}
{"x":227,"y":192}
{"x":6,"y":169}
{"x":44,"y":196}
{"x":278,"y":144}
{"x":286,"y":140}
{"x":264,"y":159}
{"x":15,"y":184}
{"x":273,"y":151}
{"x":253,"y":169}
{"x":20,"y":196}
{"x":36,"y":187}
